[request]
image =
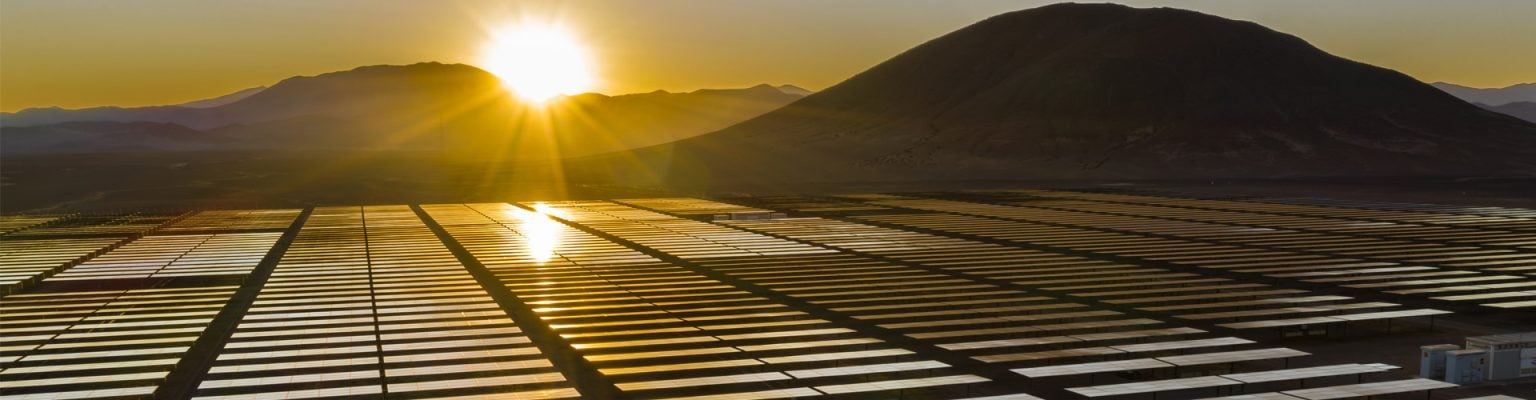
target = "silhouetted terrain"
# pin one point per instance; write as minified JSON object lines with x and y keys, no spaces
{"x":212,"y":179}
{"x":85,"y":135}
{"x":1075,"y":91}
{"x":1525,"y":110}
{"x":429,"y":106}
{"x":1491,"y":96}
{"x":183,"y":180}
{"x":1070,"y":93}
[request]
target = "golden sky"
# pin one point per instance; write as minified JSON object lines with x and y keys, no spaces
{"x":83,"y":53}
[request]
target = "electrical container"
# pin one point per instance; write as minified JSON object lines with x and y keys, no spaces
{"x":1510,"y":356}
{"x":1432,"y":360}
{"x":1464,"y":367}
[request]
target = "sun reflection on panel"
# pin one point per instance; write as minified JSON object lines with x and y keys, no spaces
{"x":542,"y":232}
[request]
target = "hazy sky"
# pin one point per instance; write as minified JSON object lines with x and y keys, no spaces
{"x":83,"y":53}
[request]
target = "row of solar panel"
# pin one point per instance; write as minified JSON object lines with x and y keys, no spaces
{"x":1392,"y":266}
{"x":222,"y":242}
{"x":368,"y":300}
{"x":657,"y":329}
{"x":1007,"y":319}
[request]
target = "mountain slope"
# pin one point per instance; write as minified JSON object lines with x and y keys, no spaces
{"x":1103,"y":91}
{"x":1491,"y":96}
{"x":222,"y":100}
{"x":1521,"y":109}
{"x":428,"y":106}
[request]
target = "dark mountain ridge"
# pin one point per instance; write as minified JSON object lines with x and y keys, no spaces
{"x":1098,"y":91}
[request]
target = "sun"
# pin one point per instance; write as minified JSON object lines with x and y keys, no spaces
{"x":538,"y":61}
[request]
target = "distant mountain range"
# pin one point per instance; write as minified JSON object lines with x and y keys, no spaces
{"x":1521,"y":109}
{"x":1099,"y":91}
{"x":225,"y":99}
{"x":1491,"y":96}
{"x":427,"y":106}
{"x":1518,"y":101}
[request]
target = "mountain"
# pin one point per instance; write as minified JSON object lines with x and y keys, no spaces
{"x":638,"y":120}
{"x":346,"y":94}
{"x":188,"y":113}
{"x":71,"y":137}
{"x":1491,"y":96}
{"x":1100,"y":91}
{"x":428,"y":106}
{"x":32,"y":117}
{"x":795,"y":90}
{"x":1521,"y":109}
{"x":222,"y":100}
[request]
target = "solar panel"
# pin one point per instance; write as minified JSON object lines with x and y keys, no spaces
{"x":925,"y":296}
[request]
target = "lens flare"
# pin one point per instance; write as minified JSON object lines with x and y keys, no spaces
{"x":538,"y":61}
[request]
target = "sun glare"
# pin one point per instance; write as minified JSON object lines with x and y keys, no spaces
{"x":541,"y":232}
{"x":538,"y":61}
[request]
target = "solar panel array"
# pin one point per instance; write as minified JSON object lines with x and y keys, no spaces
{"x":13,"y":223}
{"x":1022,"y":294}
{"x":94,"y":225}
{"x":728,"y":342}
{"x":234,"y":220}
{"x":35,"y":247}
{"x":100,"y":344}
{"x":22,"y":261}
{"x":158,"y":256}
{"x":1477,"y":255}
{"x":368,"y":301}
